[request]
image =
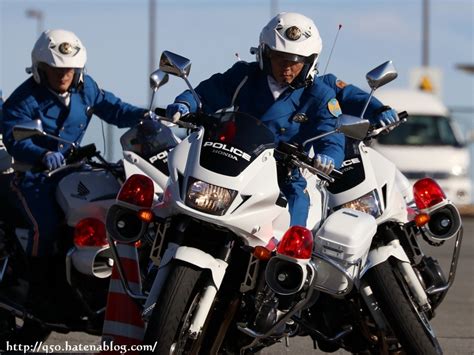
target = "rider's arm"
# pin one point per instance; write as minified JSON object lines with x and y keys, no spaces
{"x":352,"y":99}
{"x":218,"y":91}
{"x":19,"y":108}
{"x":322,"y":113}
{"x":109,"y":107}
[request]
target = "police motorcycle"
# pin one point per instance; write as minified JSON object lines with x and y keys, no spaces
{"x":377,"y":290}
{"x":78,"y":282}
{"x":219,"y":220}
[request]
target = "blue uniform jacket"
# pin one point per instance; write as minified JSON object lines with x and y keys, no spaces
{"x":245,"y":87}
{"x":353,"y":99}
{"x":31,"y":101}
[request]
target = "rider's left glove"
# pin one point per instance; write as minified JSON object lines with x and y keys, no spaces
{"x":324,"y":163}
{"x":53,"y":160}
{"x":176,"y":110}
{"x":387,"y":117}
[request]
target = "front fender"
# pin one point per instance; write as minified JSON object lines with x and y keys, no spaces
{"x":203,"y":260}
{"x":380,"y":254}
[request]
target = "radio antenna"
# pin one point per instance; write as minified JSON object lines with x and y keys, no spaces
{"x":333,"y":45}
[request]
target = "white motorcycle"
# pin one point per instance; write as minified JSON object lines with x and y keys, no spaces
{"x":378,"y":291}
{"x":80,"y":276}
{"x":218,"y":220}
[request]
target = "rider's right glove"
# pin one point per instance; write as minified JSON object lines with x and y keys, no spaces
{"x":176,"y":110}
{"x":387,"y":117}
{"x":324,"y":163}
{"x":53,"y":160}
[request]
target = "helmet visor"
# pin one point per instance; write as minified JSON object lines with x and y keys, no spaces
{"x":277,"y":55}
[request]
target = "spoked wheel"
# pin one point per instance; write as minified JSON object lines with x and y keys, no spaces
{"x":410,"y":325}
{"x":170,"y":321}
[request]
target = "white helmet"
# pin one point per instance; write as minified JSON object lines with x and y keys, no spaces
{"x":59,"y":49}
{"x":295,"y":36}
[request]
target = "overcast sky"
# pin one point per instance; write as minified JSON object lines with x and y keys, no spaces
{"x":210,"y":32}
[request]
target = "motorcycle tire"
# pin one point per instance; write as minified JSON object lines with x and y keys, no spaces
{"x":411,"y":327}
{"x":171,"y":317}
{"x":30,"y":333}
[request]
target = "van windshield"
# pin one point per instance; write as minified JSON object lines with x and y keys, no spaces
{"x":422,"y":130}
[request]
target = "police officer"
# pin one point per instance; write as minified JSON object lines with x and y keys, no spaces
{"x":281,"y":90}
{"x":63,"y":98}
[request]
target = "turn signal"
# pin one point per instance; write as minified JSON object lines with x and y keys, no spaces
{"x":90,"y":232}
{"x":262,"y":253}
{"x":427,"y":193}
{"x":296,"y":243}
{"x":421,"y":219}
{"x":137,"y":190}
{"x":145,"y":215}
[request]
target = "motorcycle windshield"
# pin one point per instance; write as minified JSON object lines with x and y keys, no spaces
{"x":232,"y":140}
{"x":151,"y":140}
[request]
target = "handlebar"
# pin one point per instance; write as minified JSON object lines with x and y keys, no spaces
{"x":293,"y":156}
{"x":160,"y":111}
{"x":184,"y":121}
{"x":87,"y":151}
{"x":376,"y":131}
{"x":76,"y":160}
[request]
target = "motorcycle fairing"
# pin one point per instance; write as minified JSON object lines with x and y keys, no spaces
{"x":232,"y":142}
{"x":380,"y":175}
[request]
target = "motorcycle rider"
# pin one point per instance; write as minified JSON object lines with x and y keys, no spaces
{"x":63,"y":97}
{"x":281,"y":90}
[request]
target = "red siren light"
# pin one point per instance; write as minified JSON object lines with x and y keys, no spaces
{"x":297,"y":243}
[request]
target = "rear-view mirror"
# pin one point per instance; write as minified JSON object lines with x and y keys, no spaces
{"x":27,"y":130}
{"x":381,"y":75}
{"x":175,"y":64}
{"x":352,"y":126}
{"x":158,"y":78}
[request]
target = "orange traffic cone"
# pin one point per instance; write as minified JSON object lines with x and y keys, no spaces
{"x":123,"y":325}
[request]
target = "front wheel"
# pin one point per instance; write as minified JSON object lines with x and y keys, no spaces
{"x":171,"y":318}
{"x":411,"y":326}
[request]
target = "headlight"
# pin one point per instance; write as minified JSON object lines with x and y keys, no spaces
{"x":209,"y":198}
{"x":369,"y":203}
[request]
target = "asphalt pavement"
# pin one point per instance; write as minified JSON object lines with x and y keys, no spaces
{"x":453,"y":324}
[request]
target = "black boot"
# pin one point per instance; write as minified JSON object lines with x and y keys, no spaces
{"x":40,"y":302}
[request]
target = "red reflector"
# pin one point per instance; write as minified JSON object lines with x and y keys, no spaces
{"x":427,"y":193}
{"x":90,"y":232}
{"x":296,"y":243}
{"x":137,"y":190}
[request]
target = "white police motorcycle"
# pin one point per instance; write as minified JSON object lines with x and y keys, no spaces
{"x":232,"y":277}
{"x":78,"y":282}
{"x":378,"y":291}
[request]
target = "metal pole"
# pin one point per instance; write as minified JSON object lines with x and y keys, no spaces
{"x":38,"y":15}
{"x":151,"y":39}
{"x":273,"y":8}
{"x":425,"y":61}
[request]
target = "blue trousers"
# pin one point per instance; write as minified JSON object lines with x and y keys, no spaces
{"x":298,"y":200}
{"x":36,"y":198}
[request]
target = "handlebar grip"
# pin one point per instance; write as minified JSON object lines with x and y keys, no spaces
{"x":86,"y":151}
{"x":403,"y":115}
{"x":160,"y":111}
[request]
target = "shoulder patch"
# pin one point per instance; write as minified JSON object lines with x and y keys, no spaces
{"x":340,"y":84}
{"x":334,"y":108}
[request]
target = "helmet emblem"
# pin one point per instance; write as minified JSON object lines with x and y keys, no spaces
{"x":65,"y":48}
{"x":293,"y":33}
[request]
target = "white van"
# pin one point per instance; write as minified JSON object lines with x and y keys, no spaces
{"x":429,"y":144}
